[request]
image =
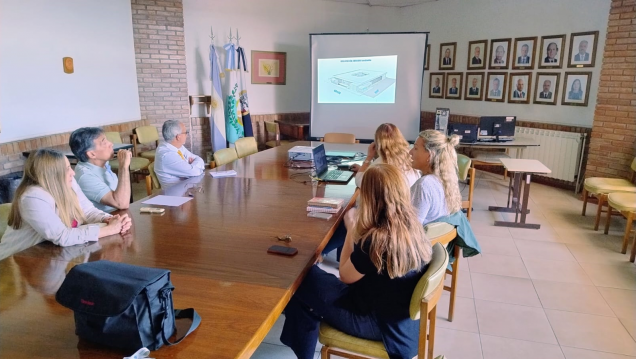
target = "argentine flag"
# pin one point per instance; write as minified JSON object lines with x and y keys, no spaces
{"x":217,"y":113}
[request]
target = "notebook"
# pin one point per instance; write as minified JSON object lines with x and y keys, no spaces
{"x":322,"y":169}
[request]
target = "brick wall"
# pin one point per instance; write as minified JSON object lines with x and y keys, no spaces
{"x":612,"y":145}
{"x":161,"y":67}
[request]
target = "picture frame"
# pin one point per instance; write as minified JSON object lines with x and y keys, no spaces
{"x":269,"y":67}
{"x":551,"y":55}
{"x":546,"y":88}
{"x":447,"y":56}
{"x":499,"y":54}
{"x":438,"y":92}
{"x":524,"y":54}
{"x":453,"y":90}
{"x":580,"y":54}
{"x":428,"y":57}
{"x":474,"y":86}
{"x":477,"y":55}
{"x":520,"y":89}
{"x":571,"y":96}
{"x":496,"y":92}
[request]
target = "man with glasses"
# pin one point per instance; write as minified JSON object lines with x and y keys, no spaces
{"x":173,"y":162}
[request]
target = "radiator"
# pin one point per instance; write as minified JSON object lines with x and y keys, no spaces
{"x":560,"y":151}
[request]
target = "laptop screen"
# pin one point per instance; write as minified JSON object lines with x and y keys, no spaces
{"x":320,"y":159}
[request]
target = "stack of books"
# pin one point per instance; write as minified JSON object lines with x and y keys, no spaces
{"x":325,"y":205}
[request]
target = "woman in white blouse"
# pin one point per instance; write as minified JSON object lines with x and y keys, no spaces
{"x":49,"y":205}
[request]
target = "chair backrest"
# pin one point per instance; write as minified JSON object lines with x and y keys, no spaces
{"x":153,"y":175}
{"x":113,"y":137}
{"x":440,"y":232}
{"x":246,"y":146}
{"x":271,"y":127}
{"x":335,"y":137}
{"x":146,"y":134}
{"x":5,"y":208}
{"x":463,"y":164}
{"x":225,"y":155}
{"x":432,"y":280}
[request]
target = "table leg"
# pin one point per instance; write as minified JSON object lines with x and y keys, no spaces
{"x":513,"y":188}
{"x":131,"y":186}
{"x":524,"y":209}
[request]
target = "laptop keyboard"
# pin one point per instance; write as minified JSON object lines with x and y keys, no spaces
{"x":332,"y":175}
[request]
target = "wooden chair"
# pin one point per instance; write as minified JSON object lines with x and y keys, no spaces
{"x":466,"y":173}
{"x":625,"y":204}
{"x":137,"y":164}
{"x":601,"y":187}
{"x":336,"y":137}
{"x":488,"y":158}
{"x":5,"y":209}
{"x":444,"y":233}
{"x":151,"y":179}
{"x":246,"y":146}
{"x":272,"y":128}
{"x":145,"y":135}
{"x":225,"y":155}
{"x":423,"y":306}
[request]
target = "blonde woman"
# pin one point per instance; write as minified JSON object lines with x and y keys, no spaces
{"x":383,"y":258}
{"x":49,"y":205}
{"x":436,"y":194}
{"x":390,"y":147}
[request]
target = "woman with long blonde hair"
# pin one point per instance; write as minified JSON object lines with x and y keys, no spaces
{"x":384,"y":255}
{"x":436,"y":194}
{"x":49,"y":205}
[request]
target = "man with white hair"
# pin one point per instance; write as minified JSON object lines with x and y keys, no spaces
{"x":173,"y":162}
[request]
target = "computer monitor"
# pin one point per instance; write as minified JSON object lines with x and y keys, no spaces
{"x":497,"y":128}
{"x":467,"y":133}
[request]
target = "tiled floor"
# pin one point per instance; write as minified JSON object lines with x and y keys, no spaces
{"x":562,"y":292}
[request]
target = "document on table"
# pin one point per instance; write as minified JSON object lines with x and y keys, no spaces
{"x":171,"y":201}
{"x":218,"y":174}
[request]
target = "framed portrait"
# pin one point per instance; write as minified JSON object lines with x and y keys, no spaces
{"x":499,"y":54}
{"x":477,"y":55}
{"x":496,"y":86}
{"x":474,"y":86}
{"x":551,"y":56}
{"x":453,"y":89}
{"x":524,"y":53}
{"x":520,"y":88}
{"x":436,"y":85}
{"x":583,"y":49}
{"x":576,"y":88}
{"x":428,"y":57}
{"x":447,"y":56}
{"x":269,"y":67}
{"x":547,"y":88}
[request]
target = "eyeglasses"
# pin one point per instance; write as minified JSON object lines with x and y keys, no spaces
{"x":186,"y":133}
{"x":286,"y":238}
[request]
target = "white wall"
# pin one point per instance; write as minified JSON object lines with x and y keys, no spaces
{"x":272,"y":25}
{"x":36,"y":97}
{"x":462,"y":21}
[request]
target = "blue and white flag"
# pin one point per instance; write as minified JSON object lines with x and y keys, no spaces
{"x":217,"y":113}
{"x":233,"y":117}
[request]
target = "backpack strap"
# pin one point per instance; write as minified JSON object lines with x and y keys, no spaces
{"x":189,"y":313}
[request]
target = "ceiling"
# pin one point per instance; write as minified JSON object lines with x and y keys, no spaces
{"x":394,"y":3}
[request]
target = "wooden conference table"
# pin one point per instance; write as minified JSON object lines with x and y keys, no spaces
{"x":215,"y":246}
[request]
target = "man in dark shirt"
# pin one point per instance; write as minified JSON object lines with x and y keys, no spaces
{"x":447,"y":61}
{"x":453,"y":89}
{"x":476,"y":60}
{"x":474,"y":91}
{"x":436,"y":88}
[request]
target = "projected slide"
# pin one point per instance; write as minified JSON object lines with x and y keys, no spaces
{"x":357,"y":79}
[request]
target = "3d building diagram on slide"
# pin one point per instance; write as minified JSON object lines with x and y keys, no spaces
{"x":364,"y":82}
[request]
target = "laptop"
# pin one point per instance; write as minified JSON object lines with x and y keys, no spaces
{"x":341,"y":154}
{"x":467,"y":133}
{"x":322,"y":169}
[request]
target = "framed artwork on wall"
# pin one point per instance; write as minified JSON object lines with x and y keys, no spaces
{"x":453,"y":86}
{"x":447,"y":56}
{"x":524,"y":53}
{"x":474,"y":86}
{"x":520,"y":87}
{"x":547,"y":88}
{"x":269,"y":67}
{"x":496,"y":86}
{"x":576,"y":88}
{"x":499,"y":54}
{"x":583,"y":49}
{"x":436,"y":85}
{"x":477,"y":55}
{"x":551,"y":56}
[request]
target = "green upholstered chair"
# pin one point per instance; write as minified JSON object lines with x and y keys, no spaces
{"x":145,"y":135}
{"x":600,"y":188}
{"x":5,"y":208}
{"x":423,"y":304}
{"x":467,"y":173}
{"x":225,"y":155}
{"x":246,"y":146}
{"x":272,"y":129}
{"x":337,"y":137}
{"x":151,"y":179}
{"x":489,"y":158}
{"x":443,"y":233}
{"x":136,"y":163}
{"x":625,"y":204}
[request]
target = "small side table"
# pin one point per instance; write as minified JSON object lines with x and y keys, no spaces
{"x":522,"y":172}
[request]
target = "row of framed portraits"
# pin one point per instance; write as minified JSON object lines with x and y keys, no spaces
{"x":524,"y":54}
{"x":518,"y":86}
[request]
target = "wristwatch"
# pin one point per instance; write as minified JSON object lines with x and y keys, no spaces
{"x":367,"y":161}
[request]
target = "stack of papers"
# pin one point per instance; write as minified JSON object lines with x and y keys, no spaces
{"x":218,"y":174}
{"x":171,"y":201}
